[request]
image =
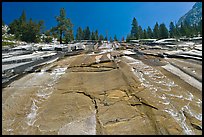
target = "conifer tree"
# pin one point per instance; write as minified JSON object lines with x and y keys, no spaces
{"x":111,"y":40}
{"x":134,"y":30}
{"x":93,"y":37}
{"x":163,"y":31}
{"x":96,"y":35}
{"x":145,"y":34}
{"x":79,"y":34}
{"x":156,"y":31}
{"x":172,"y":30}
{"x":115,"y":38}
{"x":87,"y":33}
{"x":140,"y":33}
{"x":101,"y":37}
{"x":64,"y":25}
{"x":149,"y":32}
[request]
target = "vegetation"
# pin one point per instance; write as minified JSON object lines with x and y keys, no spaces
{"x":26,"y":31}
{"x":64,"y":27}
{"x":8,"y":43}
{"x":31,"y":31}
{"x":160,"y":31}
{"x":115,"y":38}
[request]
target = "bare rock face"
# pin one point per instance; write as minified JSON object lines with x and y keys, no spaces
{"x":97,"y":94}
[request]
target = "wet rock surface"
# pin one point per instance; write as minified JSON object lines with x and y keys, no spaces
{"x":102,"y":94}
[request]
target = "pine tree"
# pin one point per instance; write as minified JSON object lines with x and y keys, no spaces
{"x":115,"y":38}
{"x":145,"y":34}
{"x":182,"y":29}
{"x":177,"y":32}
{"x":69,"y":36}
{"x":54,"y":33}
{"x":172,"y":30}
{"x":101,"y":37}
{"x":128,"y":38}
{"x":163,"y":31}
{"x":105,"y":38}
{"x":187,"y":29}
{"x":26,"y":31}
{"x":79,"y":34}
{"x":96,"y":34}
{"x":93,"y":37}
{"x":140,"y":33}
{"x":48,"y":38}
{"x":149,"y":32}
{"x":31,"y":32}
{"x":122,"y":39}
{"x":64,"y":25}
{"x":134,"y":30}
{"x":156,"y":31}
{"x":111,"y":40}
{"x":87,"y":33}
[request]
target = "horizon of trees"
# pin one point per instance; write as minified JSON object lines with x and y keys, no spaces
{"x":30,"y":31}
{"x":160,"y":31}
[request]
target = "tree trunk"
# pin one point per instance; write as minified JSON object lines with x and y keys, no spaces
{"x":60,"y":37}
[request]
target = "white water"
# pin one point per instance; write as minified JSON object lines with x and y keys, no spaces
{"x":157,"y":82}
{"x":85,"y":126}
{"x":192,"y":81}
{"x":42,"y":94}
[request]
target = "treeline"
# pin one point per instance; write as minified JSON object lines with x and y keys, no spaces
{"x":160,"y":31}
{"x":30,"y":31}
{"x":86,"y":34}
{"x":24,"y":30}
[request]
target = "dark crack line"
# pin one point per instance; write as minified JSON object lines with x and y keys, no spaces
{"x":118,"y":120}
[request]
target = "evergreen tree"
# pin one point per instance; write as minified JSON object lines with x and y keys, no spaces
{"x":31,"y":31}
{"x":87,"y":33}
{"x":134,"y":30}
{"x":193,"y":30}
{"x":122,"y":39}
{"x":106,"y":39}
{"x":64,"y":25}
{"x":177,"y":32}
{"x":48,"y":38}
{"x":54,"y":33}
{"x":149,"y":32}
{"x":128,"y":38}
{"x":93,"y":37}
{"x":156,"y":31}
{"x":101,"y":37}
{"x":172,"y":30}
{"x":79,"y":34}
{"x":182,"y":29}
{"x":115,"y":38}
{"x":96,"y":34}
{"x":18,"y":26}
{"x":111,"y":40}
{"x":69,"y":36}
{"x":140,"y":33}
{"x":145,"y":36}
{"x":163,"y":31}
{"x":14,"y":28}
{"x":187,"y":28}
{"x":26,"y":31}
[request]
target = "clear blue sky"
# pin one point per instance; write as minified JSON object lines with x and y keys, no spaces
{"x":114,"y":17}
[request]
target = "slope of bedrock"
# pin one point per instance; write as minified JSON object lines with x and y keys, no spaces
{"x":97,"y":94}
